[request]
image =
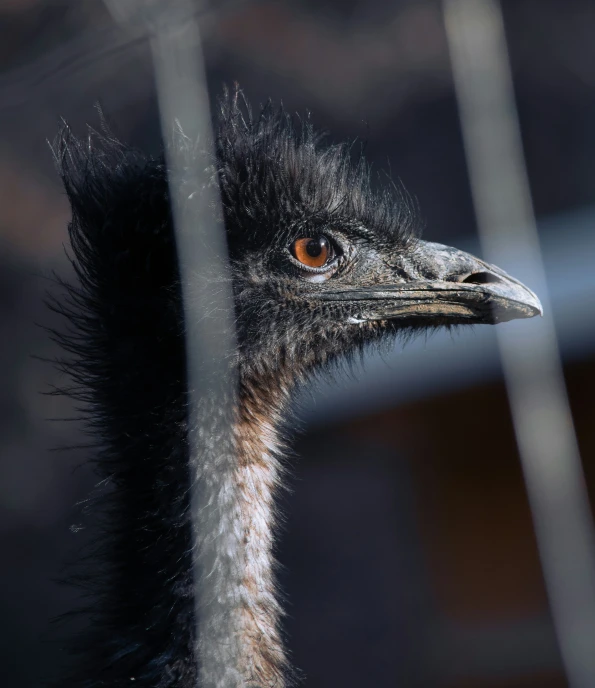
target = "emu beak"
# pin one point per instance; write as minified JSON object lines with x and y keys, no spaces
{"x":444,"y":285}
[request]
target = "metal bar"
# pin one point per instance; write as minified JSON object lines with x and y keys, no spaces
{"x":530,"y":356}
{"x":203,"y":263}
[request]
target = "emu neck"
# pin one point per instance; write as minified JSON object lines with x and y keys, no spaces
{"x":239,"y":641}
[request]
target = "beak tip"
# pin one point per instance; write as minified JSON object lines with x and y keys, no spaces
{"x":523,"y":308}
{"x":535,"y":304}
{"x":513,"y":299}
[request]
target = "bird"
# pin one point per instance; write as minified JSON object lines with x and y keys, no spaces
{"x":326,"y":261}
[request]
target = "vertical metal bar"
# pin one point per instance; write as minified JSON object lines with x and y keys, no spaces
{"x":207,"y":298}
{"x":202,"y":257}
{"x":530,"y":356}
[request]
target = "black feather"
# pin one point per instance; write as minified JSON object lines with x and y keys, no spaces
{"x":127,"y":356}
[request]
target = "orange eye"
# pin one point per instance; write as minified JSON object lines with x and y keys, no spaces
{"x":313,"y":252}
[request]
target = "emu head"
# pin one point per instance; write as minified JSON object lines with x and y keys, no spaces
{"x":324,"y":263}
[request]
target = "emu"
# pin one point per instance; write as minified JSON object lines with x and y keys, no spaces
{"x":323,"y":265}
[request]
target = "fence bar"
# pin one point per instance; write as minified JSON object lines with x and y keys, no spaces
{"x":531,"y":361}
{"x":201,"y":248}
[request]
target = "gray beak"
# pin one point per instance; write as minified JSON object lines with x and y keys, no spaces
{"x":444,"y":285}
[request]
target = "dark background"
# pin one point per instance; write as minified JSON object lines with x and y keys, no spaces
{"x":409,"y":553}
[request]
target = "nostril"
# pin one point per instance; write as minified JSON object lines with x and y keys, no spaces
{"x":481,"y":278}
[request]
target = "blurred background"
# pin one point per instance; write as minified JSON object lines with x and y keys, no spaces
{"x":409,"y":554}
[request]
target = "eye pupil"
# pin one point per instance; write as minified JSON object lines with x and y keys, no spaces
{"x":316,"y":246}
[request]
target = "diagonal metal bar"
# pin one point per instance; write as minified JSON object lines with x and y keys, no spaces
{"x":71,"y":60}
{"x":533,"y":372}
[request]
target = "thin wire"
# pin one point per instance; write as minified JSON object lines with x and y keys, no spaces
{"x":71,"y":57}
{"x":530,"y":356}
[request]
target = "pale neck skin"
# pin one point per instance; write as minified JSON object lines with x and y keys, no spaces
{"x":239,"y":644}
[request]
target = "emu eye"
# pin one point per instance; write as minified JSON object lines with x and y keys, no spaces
{"x":313,"y":252}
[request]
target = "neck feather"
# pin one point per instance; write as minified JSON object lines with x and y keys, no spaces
{"x":239,"y":640}
{"x":128,"y":361}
